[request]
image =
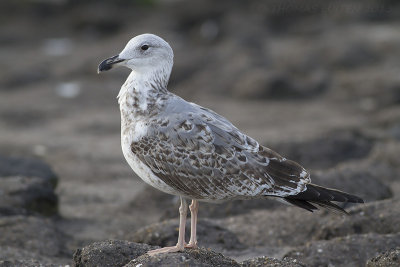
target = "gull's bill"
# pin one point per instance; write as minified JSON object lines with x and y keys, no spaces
{"x":108,"y":63}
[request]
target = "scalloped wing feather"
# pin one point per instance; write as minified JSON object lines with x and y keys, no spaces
{"x":202,"y":155}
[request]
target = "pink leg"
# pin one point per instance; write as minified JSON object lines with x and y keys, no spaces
{"x":180,"y":246}
{"x":194,"y":207}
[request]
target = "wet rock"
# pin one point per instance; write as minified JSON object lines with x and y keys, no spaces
{"x":389,"y":258}
{"x":327,"y":151}
{"x":382,"y":217}
{"x":190,"y":257}
{"x":271,"y":262}
{"x":28,"y":236}
{"x":352,"y":250}
{"x":109,"y":253}
{"x":210,"y":235}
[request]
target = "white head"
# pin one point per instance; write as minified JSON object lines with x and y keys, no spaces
{"x":145,"y":54}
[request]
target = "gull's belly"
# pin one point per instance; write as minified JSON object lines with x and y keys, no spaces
{"x":142,"y":170}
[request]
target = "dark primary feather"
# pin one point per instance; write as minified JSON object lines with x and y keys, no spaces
{"x":322,"y":197}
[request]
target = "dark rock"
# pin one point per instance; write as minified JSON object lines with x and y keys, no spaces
{"x":356,"y":55}
{"x":291,"y":226}
{"x":355,"y":180}
{"x":109,"y":253}
{"x":155,"y":202}
{"x":381,"y":217}
{"x":11,"y":256}
{"x":25,"y":263}
{"x":20,"y":119}
{"x":352,"y":250}
{"x":25,"y":78}
{"x":22,"y":195}
{"x":26,"y":186}
{"x":389,"y":258}
{"x":385,"y":161}
{"x":31,"y":234}
{"x":327,"y":151}
{"x":271,"y":262}
{"x":288,"y":226}
{"x":261,"y":83}
{"x":13,"y":166}
{"x":209,"y":234}
{"x":190,"y":257}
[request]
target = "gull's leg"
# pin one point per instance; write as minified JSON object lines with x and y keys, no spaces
{"x":194,"y":207}
{"x":180,"y":246}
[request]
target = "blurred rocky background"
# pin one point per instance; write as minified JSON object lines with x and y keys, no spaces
{"x":317,"y":81}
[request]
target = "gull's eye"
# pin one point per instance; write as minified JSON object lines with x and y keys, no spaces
{"x":144,"y":47}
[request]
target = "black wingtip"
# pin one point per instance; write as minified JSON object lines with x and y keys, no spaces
{"x":322,"y":197}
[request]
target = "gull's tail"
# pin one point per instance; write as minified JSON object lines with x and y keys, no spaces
{"x":322,"y":197}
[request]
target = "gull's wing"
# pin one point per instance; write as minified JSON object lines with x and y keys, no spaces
{"x":203,"y":156}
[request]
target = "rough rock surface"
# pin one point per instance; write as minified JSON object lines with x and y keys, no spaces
{"x":21,"y":195}
{"x":27,"y":186}
{"x":109,"y":253}
{"x":382,"y":217}
{"x":367,"y":184}
{"x":211,"y":235}
{"x":390,"y":258}
{"x":25,"y":263}
{"x":30,"y":238}
{"x":31,"y":233}
{"x":271,"y":262}
{"x":13,"y":166}
{"x":327,"y":150}
{"x":190,"y":257}
{"x":352,"y":250}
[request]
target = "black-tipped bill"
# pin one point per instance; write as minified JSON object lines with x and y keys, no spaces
{"x":108,"y":63}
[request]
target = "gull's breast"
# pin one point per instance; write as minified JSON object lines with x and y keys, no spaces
{"x":131,"y":134}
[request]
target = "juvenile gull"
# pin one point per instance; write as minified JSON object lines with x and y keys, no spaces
{"x":186,"y":150}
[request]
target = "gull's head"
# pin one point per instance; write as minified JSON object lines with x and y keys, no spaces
{"x":145,"y":53}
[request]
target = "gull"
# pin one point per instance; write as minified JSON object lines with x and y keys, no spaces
{"x":192,"y":152}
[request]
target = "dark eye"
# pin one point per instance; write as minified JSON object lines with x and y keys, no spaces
{"x":144,"y":47}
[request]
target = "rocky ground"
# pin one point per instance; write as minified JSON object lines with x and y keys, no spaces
{"x":316,"y":81}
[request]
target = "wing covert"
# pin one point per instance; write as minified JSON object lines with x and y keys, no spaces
{"x":203,"y":156}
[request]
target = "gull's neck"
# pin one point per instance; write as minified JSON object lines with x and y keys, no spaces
{"x":142,"y":93}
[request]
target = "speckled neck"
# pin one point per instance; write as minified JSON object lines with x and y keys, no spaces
{"x":141,"y":96}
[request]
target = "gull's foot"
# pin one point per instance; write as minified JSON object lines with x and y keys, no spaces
{"x":165,"y":250}
{"x":191,"y":245}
